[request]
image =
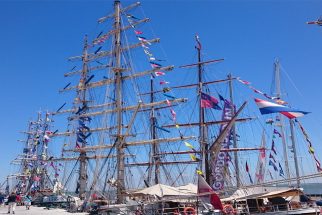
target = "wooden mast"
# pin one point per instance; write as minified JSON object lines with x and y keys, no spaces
{"x":155,"y":158}
{"x":233,"y":129}
{"x":82,"y":179}
{"x":118,"y":97}
{"x":202,"y":126}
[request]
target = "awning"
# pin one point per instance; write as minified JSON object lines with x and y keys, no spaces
{"x":283,"y":193}
{"x":161,"y":190}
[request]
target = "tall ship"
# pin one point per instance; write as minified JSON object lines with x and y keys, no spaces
{"x":140,"y":140}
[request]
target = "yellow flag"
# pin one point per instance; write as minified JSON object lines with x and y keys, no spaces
{"x":188,"y":145}
{"x":199,"y":172}
{"x":193,"y":157}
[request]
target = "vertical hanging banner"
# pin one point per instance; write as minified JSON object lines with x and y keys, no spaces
{"x":220,"y":162}
{"x":260,"y":170}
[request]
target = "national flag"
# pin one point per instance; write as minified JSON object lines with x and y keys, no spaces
{"x":159,"y":73}
{"x":266,"y":107}
{"x":273,"y":147}
{"x":212,"y":198}
{"x":208,"y":101}
{"x":138,"y":32}
{"x":273,"y":165}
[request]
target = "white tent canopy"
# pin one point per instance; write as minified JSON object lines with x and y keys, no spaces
{"x":189,"y":188}
{"x":246,"y":193}
{"x":161,"y":190}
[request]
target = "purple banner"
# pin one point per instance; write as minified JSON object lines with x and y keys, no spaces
{"x":220,"y":162}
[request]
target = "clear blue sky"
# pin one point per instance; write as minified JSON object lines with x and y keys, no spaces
{"x":37,"y":37}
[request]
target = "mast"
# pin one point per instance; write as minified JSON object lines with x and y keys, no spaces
{"x":278,"y":94}
{"x":298,"y":182}
{"x":234,"y":131}
{"x":155,"y":158}
{"x":202,"y":126}
{"x":82,"y":96}
{"x":118,"y":91}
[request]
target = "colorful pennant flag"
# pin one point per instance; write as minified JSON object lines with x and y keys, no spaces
{"x":311,"y":150}
{"x":138,"y":32}
{"x":159,"y":73}
{"x":164,"y":82}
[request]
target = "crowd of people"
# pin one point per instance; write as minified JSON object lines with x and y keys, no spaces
{"x":14,"y":199}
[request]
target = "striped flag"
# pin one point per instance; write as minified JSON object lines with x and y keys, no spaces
{"x":266,"y":107}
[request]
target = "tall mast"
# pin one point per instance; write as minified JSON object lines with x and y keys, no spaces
{"x":202,"y":126}
{"x":234,"y":130}
{"x":295,"y":154}
{"x":118,"y":91}
{"x":155,"y":158}
{"x":82,"y":96}
{"x":278,"y":94}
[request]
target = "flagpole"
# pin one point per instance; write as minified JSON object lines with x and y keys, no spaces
{"x":298,"y":183}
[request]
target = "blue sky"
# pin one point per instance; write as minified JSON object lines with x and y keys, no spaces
{"x":37,"y":37}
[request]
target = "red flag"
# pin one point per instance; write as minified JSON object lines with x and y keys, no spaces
{"x":247,"y":168}
{"x":213,"y":198}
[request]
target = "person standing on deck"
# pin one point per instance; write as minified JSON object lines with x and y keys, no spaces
{"x":27,"y":201}
{"x":1,"y":199}
{"x":12,"y":202}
